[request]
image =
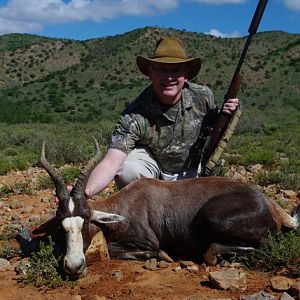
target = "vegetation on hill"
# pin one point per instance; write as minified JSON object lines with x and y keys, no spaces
{"x":65,"y":91}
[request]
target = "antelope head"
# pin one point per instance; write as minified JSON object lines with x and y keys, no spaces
{"x":74,"y":215}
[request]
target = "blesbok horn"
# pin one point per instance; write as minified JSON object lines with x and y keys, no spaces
{"x":61,"y":189}
{"x":78,"y":191}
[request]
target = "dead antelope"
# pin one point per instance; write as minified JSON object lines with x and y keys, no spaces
{"x":209,"y":216}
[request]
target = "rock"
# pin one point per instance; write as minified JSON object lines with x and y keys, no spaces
{"x":117,"y":275}
{"x":289,"y":194}
{"x":5,"y":265}
{"x":34,"y":218}
{"x":163,"y":264}
{"x":95,"y":297}
{"x":151,"y":264}
{"x":231,"y":279}
{"x":27,"y":210}
{"x":237,"y":176}
{"x":45,"y":200}
{"x":186,"y":263}
{"x":76,"y":297}
{"x":177,"y":269}
{"x":258,"y":296}
{"x":280,"y":283}
{"x":16,"y":204}
{"x":98,"y":246}
{"x":255,"y":168}
{"x":193,"y":268}
{"x":7,"y":209}
{"x":286,"y":296}
{"x":241,"y":170}
{"x":164,"y":256}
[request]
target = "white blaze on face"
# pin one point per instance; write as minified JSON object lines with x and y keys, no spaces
{"x":74,"y":261}
{"x":71,"y":205}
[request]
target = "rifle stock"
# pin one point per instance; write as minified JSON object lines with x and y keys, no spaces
{"x":225,"y":120}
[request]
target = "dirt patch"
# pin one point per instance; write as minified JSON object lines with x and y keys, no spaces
{"x":108,"y":279}
{"x":135,"y":283}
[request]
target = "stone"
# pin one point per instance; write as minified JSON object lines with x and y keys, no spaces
{"x":258,"y":296}
{"x":177,"y":269}
{"x":98,"y":246}
{"x":16,"y":204}
{"x":5,"y":265}
{"x":255,"y":168}
{"x":151,"y":264}
{"x":280,"y":283}
{"x":186,"y":263}
{"x":163,"y":264}
{"x":289,"y":194}
{"x":117,"y":275}
{"x":231,"y":279}
{"x":193,"y":268}
{"x":164,"y":256}
{"x":286,"y":296}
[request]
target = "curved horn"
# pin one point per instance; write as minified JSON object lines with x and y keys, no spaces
{"x":78,"y":191}
{"x":61,"y":189}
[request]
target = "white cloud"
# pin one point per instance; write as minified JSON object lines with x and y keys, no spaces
{"x":33,"y":15}
{"x":8,"y":26}
{"x":217,"y":33}
{"x":217,"y":2}
{"x":293,"y":4}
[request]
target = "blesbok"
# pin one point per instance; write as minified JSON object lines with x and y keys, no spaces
{"x":191,"y":218}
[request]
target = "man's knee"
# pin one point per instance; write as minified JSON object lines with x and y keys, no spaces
{"x":127,"y":174}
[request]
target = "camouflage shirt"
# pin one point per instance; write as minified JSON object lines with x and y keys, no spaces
{"x":168,"y":133}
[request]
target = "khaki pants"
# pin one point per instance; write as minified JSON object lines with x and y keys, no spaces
{"x":139,"y":163}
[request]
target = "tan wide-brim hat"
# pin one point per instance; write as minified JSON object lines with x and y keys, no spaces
{"x":169,"y":50}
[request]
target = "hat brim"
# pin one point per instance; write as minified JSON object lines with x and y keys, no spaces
{"x":194,"y":64}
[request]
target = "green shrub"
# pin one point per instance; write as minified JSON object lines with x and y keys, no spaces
{"x":44,"y":182}
{"x":42,"y":270}
{"x":4,"y":190}
{"x":69,"y":174}
{"x":6,"y":166}
{"x":264,"y":178}
{"x":22,"y":187}
{"x":8,"y":252}
{"x":258,"y":156}
{"x":281,"y":252}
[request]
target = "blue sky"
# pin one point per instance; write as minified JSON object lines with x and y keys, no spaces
{"x":85,"y":19}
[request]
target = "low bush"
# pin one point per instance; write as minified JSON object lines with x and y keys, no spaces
{"x":42,"y":270}
{"x":281,"y":252}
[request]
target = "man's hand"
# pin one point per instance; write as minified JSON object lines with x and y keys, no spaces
{"x":56,"y":200}
{"x":230,"y":106}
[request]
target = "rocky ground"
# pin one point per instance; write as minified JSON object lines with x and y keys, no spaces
{"x":23,"y":206}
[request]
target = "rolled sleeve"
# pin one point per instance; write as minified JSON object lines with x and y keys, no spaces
{"x":126,"y":134}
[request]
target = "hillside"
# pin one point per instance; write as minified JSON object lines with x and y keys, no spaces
{"x":46,"y":80}
{"x":60,"y":90}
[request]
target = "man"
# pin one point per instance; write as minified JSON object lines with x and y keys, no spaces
{"x":157,"y":130}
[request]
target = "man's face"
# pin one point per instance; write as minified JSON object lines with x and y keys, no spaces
{"x":168,"y":81}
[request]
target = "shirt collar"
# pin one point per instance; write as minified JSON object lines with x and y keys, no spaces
{"x":154,"y":108}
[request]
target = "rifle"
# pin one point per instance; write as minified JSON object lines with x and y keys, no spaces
{"x":225,"y":123}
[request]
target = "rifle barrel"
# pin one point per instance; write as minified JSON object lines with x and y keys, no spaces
{"x":257,"y":16}
{"x":223,"y":119}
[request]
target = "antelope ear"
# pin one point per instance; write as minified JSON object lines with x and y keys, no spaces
{"x":104,"y":217}
{"x":46,"y":227}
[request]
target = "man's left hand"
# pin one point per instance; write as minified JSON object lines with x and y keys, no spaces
{"x":230,"y":106}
